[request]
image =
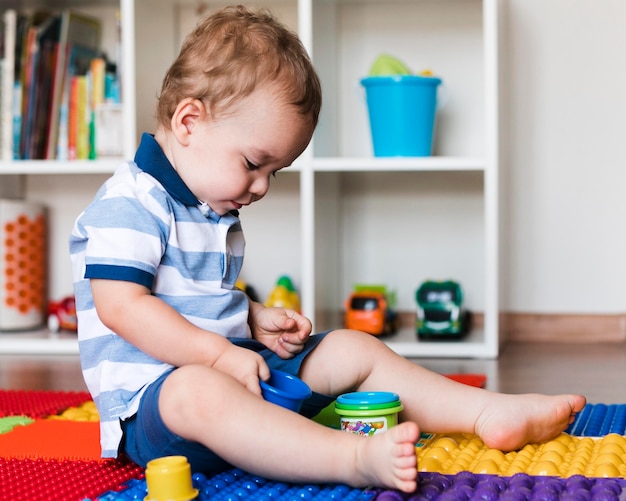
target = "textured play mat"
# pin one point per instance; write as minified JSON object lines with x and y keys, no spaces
{"x":49,"y":450}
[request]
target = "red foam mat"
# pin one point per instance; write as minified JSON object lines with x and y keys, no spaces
{"x":52,"y":480}
{"x":53,"y":439}
{"x":38,"y":404}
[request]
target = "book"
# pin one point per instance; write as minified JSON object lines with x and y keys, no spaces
{"x":83,"y":117}
{"x":23,"y":24}
{"x":28,"y":89}
{"x":7,"y":69}
{"x":97,"y":73}
{"x":43,"y":83}
{"x":76,"y":30}
{"x":2,"y":70}
{"x":72,"y":118}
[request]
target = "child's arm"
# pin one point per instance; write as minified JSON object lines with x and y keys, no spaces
{"x":282,"y":330}
{"x":129,"y":310}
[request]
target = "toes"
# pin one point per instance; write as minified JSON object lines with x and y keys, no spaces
{"x":405,"y":432}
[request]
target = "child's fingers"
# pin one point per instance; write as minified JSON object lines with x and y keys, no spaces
{"x":288,"y":349}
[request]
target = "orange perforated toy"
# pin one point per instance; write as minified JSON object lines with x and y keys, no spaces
{"x":22,"y":265}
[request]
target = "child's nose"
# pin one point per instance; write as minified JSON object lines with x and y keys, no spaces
{"x":260,"y":186}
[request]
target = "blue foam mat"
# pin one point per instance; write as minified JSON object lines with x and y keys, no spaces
{"x":237,"y":485}
{"x":598,"y":420}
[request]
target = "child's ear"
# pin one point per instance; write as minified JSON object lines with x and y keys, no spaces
{"x":187,"y":114}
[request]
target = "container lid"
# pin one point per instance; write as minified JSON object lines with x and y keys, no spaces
{"x":400,"y":79}
{"x":367,"y":400}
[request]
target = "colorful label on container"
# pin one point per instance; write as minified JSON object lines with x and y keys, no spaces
{"x":365,"y":426}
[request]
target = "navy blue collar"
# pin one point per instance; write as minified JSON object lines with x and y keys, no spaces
{"x":151,"y":159}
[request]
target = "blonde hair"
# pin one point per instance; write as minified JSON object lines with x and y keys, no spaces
{"x":232,"y":52}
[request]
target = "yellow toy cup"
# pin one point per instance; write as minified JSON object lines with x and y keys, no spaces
{"x":169,"y":479}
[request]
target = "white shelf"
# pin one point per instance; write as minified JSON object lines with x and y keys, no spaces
{"x":27,"y":167}
{"x":38,"y":342}
{"x":397,"y":164}
{"x":343,"y":37}
{"x":407,"y":344}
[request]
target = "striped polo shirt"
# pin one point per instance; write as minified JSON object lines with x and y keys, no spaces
{"x":145,"y":226}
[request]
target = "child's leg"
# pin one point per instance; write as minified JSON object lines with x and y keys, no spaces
{"x":349,"y":360}
{"x":207,"y":406}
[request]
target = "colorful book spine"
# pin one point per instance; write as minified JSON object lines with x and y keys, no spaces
{"x":62,"y":148}
{"x":97,"y":72}
{"x":17,"y":119}
{"x":82,"y":119}
{"x":72,"y":120}
{"x":9,"y":20}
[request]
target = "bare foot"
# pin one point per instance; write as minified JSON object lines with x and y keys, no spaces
{"x":515,"y":420}
{"x":389,"y":460}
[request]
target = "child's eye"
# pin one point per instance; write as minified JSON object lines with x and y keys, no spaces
{"x":251,"y":166}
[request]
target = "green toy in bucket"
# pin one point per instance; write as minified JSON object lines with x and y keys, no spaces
{"x":401,"y":108}
{"x":386,"y":65}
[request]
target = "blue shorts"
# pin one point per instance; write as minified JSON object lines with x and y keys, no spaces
{"x":146,"y":437}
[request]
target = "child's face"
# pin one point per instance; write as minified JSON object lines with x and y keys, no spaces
{"x":229,"y":160}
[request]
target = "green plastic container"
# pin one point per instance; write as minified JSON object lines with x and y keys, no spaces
{"x":368,"y":413}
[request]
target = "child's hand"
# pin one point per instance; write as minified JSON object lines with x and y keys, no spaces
{"x":282,"y":330}
{"x":244,"y":365}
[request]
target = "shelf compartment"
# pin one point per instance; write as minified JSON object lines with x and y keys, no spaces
{"x":474,"y":345}
{"x":38,"y":342}
{"x":398,"y":164}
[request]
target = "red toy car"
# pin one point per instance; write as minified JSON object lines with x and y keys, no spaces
{"x":62,"y":315}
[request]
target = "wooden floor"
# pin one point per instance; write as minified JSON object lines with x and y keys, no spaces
{"x":598,"y":371}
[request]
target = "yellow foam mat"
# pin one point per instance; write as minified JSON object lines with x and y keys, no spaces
{"x":564,"y":456}
{"x":84,"y":412}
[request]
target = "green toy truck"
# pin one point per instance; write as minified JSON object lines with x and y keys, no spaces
{"x":440,"y":312}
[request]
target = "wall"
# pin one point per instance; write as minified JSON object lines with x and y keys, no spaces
{"x":564,"y":124}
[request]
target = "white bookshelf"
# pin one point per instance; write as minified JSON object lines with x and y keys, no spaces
{"x":444,"y":208}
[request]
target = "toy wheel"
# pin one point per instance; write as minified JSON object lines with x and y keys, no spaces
{"x":53,"y":323}
{"x":392,"y":326}
{"x":396,"y":325}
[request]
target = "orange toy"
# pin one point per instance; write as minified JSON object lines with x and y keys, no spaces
{"x":22,"y":265}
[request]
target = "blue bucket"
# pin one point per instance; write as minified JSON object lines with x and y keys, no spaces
{"x":402,"y":114}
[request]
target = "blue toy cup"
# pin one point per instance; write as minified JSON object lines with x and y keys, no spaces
{"x":402,"y":114}
{"x":285,"y":390}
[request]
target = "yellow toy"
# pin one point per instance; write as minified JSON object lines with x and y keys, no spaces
{"x":284,"y":295}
